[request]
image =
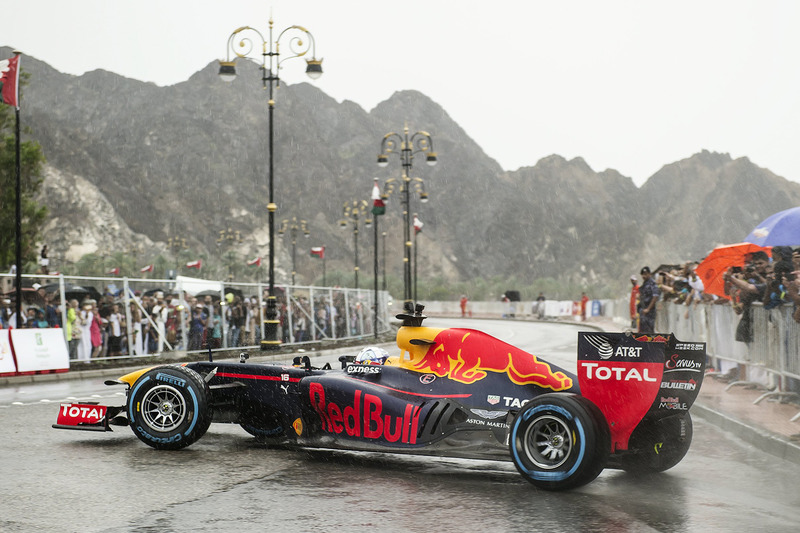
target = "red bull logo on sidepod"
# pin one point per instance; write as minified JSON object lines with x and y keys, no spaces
{"x":365,"y":417}
{"x":467,"y":355}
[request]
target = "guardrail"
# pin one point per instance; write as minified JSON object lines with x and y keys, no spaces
{"x":307,"y":314}
{"x":771,"y":361}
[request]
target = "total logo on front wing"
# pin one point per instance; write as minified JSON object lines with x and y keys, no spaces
{"x":73,"y":414}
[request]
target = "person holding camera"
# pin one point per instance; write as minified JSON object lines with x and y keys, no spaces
{"x":749,"y":286}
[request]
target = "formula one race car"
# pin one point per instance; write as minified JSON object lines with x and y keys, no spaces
{"x":452,"y":392}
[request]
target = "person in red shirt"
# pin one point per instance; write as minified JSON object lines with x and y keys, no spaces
{"x":584,"y":301}
{"x":463,"y":304}
{"x":634,"y":302}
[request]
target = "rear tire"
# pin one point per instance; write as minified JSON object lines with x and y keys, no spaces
{"x":168,"y":407}
{"x":658,"y":445}
{"x":559,"y":441}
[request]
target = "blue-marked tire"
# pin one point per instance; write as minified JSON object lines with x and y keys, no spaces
{"x":559,"y":441}
{"x":168,"y":407}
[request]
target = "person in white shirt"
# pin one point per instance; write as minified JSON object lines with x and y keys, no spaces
{"x":160,"y":318}
{"x":115,"y":321}
{"x":85,"y":318}
{"x":12,"y":321}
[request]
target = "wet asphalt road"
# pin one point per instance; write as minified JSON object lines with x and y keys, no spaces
{"x":110,"y":482}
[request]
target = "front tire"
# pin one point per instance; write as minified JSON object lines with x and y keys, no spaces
{"x":559,"y":441}
{"x":168,"y":407}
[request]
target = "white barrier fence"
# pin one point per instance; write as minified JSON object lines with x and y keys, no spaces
{"x":306,"y":314}
{"x":771,"y":359}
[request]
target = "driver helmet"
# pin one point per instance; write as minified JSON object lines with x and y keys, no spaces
{"x":372,"y":355}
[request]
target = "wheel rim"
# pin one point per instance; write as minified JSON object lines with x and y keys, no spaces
{"x":548,"y":442}
{"x":163,"y":408}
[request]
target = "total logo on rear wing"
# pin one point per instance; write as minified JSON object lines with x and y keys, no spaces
{"x":631,"y":376}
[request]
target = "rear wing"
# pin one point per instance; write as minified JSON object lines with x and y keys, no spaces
{"x":631,"y":376}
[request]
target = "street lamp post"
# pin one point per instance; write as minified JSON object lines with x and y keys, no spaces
{"x":409,"y":145}
{"x":300,"y":42}
{"x":229,"y":238}
{"x":354,"y":211}
{"x":293,"y":226}
{"x":406,"y":185}
{"x":384,"y":259}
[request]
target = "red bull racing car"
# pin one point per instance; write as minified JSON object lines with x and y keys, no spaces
{"x":451,"y":392}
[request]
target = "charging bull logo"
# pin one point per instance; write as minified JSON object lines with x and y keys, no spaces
{"x":466,"y":356}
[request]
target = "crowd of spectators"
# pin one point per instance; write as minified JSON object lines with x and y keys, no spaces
{"x":44,"y":314}
{"x":98,"y":328}
{"x":326,"y":318}
{"x":163,"y":321}
{"x":771,"y":280}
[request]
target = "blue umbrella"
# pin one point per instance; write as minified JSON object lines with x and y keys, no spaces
{"x":780,"y":229}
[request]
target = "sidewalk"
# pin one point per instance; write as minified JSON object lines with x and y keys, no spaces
{"x":767,"y":425}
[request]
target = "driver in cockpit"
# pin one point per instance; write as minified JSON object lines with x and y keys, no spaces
{"x":372,"y":355}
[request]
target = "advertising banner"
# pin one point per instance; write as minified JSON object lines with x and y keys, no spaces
{"x":6,"y":357}
{"x":40,"y":349}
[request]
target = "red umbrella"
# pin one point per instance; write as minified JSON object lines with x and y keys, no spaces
{"x":721,"y":258}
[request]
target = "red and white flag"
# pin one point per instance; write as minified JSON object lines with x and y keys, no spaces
{"x":114,"y":271}
{"x":417,"y":225}
{"x":254,"y":262}
{"x":378,"y":205}
{"x":319,"y":251}
{"x":148,"y":268}
{"x":195,"y":264}
{"x":9,"y":81}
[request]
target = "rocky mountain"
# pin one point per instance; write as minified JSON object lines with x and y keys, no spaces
{"x":190,"y":160}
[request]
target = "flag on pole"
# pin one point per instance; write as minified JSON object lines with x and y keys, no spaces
{"x":254,"y":262}
{"x":319,"y":251}
{"x":417,"y":225}
{"x":195,"y":264}
{"x":148,"y":268}
{"x":9,"y":80}
{"x":378,"y":205}
{"x":114,"y":271}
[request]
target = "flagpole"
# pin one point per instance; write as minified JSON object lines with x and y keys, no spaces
{"x":18,"y":224}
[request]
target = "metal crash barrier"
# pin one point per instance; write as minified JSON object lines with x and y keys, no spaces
{"x":306,"y":314}
{"x":770,"y":361}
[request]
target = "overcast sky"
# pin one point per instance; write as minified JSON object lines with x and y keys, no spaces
{"x":629,"y":85}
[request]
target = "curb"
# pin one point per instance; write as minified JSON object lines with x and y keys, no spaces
{"x":763,"y":439}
